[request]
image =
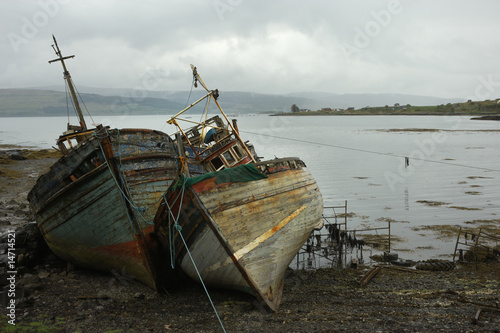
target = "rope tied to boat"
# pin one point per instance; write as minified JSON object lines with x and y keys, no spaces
{"x":174,"y":226}
{"x":101,"y":133}
{"x":173,"y":221}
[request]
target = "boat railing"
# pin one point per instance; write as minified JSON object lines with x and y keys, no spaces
{"x":280,"y":164}
{"x":205,"y":134}
{"x":71,"y":139}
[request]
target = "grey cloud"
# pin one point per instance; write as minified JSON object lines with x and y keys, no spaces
{"x":384,"y":46}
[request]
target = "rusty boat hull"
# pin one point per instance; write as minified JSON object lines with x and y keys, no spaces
{"x":242,"y":235}
{"x":95,"y":206}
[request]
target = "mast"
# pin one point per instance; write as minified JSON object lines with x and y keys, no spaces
{"x":67,"y":77}
{"x":215,"y":95}
{"x":211,"y":94}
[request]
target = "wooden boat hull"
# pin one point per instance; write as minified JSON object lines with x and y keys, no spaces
{"x":95,"y":209}
{"x":243,"y":235}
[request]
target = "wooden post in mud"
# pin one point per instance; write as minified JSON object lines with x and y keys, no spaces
{"x":456,"y":244}
{"x":475,"y":248}
{"x":345,"y":215}
{"x":389,"y":227}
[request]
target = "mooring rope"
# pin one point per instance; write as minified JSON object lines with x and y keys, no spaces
{"x":100,"y":136}
{"x":370,"y":151}
{"x":178,"y":228}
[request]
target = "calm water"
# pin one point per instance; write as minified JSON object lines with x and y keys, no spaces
{"x":361,"y":159}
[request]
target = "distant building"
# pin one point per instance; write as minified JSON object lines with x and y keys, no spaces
{"x":351,"y":108}
{"x":396,"y":106}
{"x":326,"y":109}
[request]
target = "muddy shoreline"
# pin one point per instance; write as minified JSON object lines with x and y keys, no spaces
{"x":54,"y":296}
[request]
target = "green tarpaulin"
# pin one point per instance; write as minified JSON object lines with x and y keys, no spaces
{"x":242,"y":173}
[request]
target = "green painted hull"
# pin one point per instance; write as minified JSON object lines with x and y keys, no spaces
{"x":95,"y":209}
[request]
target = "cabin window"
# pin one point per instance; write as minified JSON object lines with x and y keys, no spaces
{"x":238,"y":151}
{"x":217,"y":163}
{"x":229,"y":157}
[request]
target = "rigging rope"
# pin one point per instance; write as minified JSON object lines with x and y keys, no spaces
{"x":100,"y":136}
{"x":71,"y":99}
{"x":67,"y":103}
{"x":81,"y":99}
{"x":371,"y":151}
{"x":189,"y":96}
{"x":175,"y":226}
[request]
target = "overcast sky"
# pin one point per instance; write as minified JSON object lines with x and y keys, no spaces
{"x":436,"y":48}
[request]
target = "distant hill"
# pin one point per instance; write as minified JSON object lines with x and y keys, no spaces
{"x":33,"y":102}
{"x":490,"y":109}
{"x":357,"y":101}
{"x":52,"y":101}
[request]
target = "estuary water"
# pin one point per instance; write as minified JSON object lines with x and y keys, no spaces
{"x":418,"y":172}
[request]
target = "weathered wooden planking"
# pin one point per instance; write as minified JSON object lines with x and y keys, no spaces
{"x":265,"y":239}
{"x":213,"y":263}
{"x":148,"y":164}
{"x":259,"y":203}
{"x":89,"y":225}
{"x":58,"y":175}
{"x":250,"y":231}
{"x":97,"y":218}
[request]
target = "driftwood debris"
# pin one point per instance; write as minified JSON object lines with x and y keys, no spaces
{"x":483,"y":307}
{"x":369,"y":275}
{"x":376,"y":269}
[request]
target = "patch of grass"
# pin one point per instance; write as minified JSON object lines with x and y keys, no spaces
{"x":5,"y":160}
{"x":409,"y":130}
{"x":491,"y":227}
{"x":443,"y":232}
{"x":31,"y":155}
{"x":348,"y":215}
{"x":432,"y":203}
{"x":41,"y":154}
{"x":479,"y":177}
{"x":473,"y":193}
{"x":428,"y":247}
{"x":402,"y":250}
{"x":11,"y":174}
{"x":42,"y":324}
{"x":388,"y":219}
{"x":464,"y":208}
{"x":380,"y":242}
